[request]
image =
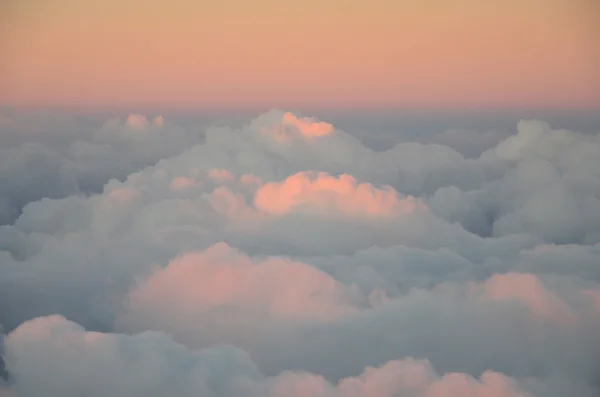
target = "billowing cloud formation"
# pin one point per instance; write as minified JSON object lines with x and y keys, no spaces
{"x":306,"y":125}
{"x":529,"y":290}
{"x":239,"y":299}
{"x":151,"y":364}
{"x":330,"y":194}
{"x":44,"y":155}
{"x":326,"y":265}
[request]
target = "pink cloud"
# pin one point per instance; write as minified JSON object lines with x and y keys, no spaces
{"x":220,"y":176}
{"x":235,"y":291}
{"x":45,"y":352}
{"x":293,"y":384}
{"x":491,"y":384}
{"x":410,"y":376}
{"x":530,"y":291}
{"x":249,"y":179}
{"x":307,"y":126}
{"x":123,"y":195}
{"x":407,"y":377}
{"x":324,"y":192}
{"x":182,"y":182}
{"x":159,"y":121}
{"x":287,"y":127}
{"x":136,"y":121}
{"x":231,"y":205}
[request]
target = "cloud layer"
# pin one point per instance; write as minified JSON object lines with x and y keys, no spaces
{"x":285,"y":258}
{"x":151,"y":364}
{"x":53,"y":156}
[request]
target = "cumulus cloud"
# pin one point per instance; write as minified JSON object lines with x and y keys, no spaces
{"x":229,"y":297}
{"x":45,"y":155}
{"x":307,"y":126}
{"x":327,"y":267}
{"x":330,"y":194}
{"x":529,"y":290}
{"x":151,"y":364}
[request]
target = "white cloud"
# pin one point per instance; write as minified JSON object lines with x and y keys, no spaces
{"x":313,"y":255}
{"x":54,"y":156}
{"x":151,"y":364}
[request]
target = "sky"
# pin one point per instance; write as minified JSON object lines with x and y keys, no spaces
{"x":299,"y":198}
{"x":243,"y":54}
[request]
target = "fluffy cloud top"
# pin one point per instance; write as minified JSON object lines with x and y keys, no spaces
{"x":150,"y":364}
{"x":238,"y":298}
{"x":47,"y":156}
{"x":285,"y":258}
{"x":330,"y":194}
{"x":307,"y":126}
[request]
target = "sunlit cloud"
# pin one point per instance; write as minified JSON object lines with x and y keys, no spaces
{"x":284,"y":257}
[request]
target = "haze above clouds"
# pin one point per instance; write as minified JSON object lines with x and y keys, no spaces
{"x":282,"y":256}
{"x":335,"y":54}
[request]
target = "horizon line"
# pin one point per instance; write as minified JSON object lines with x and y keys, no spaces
{"x":225,"y":109}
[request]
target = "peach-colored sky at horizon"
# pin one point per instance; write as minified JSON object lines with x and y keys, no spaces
{"x":331,"y":53}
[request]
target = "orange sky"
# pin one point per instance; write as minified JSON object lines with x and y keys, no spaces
{"x":331,"y":53}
